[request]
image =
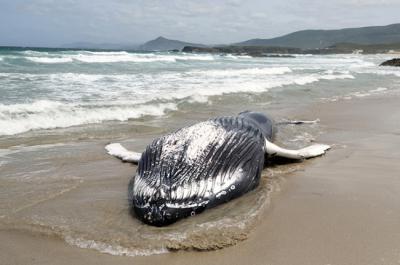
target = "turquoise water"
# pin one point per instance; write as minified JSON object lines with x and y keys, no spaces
{"x":49,"y":89}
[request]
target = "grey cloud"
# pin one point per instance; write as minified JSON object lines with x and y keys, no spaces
{"x":53,"y":22}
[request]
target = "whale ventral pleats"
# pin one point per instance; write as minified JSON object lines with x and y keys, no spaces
{"x":197,"y":167}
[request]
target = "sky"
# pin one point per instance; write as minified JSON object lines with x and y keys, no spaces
{"x":52,"y":23}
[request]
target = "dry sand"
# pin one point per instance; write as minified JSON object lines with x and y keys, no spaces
{"x":342,"y":209}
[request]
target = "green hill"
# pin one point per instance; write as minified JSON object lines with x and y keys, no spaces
{"x":316,"y":39}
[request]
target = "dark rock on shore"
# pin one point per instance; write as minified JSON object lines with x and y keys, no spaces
{"x":320,"y":39}
{"x":280,"y":56}
{"x":270,"y":51}
{"x":393,"y":62}
{"x":253,"y":51}
{"x":196,"y":49}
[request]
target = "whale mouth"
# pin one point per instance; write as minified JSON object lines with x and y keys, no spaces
{"x":162,"y":214}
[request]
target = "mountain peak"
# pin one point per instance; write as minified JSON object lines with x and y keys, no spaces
{"x":160,"y":38}
{"x":164,"y":44}
{"x":317,"y":39}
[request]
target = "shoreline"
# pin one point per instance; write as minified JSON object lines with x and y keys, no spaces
{"x":340,"y":209}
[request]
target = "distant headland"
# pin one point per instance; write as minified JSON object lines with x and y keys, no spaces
{"x":376,"y":39}
{"x":365,"y":40}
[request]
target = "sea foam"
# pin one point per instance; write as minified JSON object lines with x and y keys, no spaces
{"x":45,"y":114}
{"x":84,"y":87}
{"x":49,"y":59}
{"x":245,"y":71}
{"x":387,"y":71}
{"x":122,"y":97}
{"x":115,"y":250}
{"x":112,"y":57}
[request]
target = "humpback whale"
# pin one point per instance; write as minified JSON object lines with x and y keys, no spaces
{"x":203,"y":165}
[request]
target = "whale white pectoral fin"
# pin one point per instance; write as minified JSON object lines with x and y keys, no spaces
{"x":306,"y":152}
{"x":314,"y":150}
{"x":119,"y":151}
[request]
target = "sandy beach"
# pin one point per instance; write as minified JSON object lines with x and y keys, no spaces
{"x":339,"y":209}
{"x":210,"y":132}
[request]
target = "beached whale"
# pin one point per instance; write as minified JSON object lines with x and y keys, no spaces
{"x":203,"y":165}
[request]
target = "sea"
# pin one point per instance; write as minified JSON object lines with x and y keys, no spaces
{"x":60,"y":107}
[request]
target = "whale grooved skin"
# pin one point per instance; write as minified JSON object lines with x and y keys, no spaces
{"x":195,"y":168}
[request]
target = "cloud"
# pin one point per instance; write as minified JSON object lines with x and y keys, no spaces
{"x":39,"y":22}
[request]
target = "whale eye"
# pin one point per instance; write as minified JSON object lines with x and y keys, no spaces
{"x":233,"y":187}
{"x":192,"y":213}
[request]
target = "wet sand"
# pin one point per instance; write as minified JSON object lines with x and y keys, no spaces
{"x":341,"y":209}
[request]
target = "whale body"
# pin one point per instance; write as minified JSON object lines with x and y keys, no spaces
{"x":199,"y":167}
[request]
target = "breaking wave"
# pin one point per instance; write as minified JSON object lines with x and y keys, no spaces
{"x":358,"y":94}
{"x":112,"y":57}
{"x":85,"y":87}
{"x":115,"y":250}
{"x":387,"y":71}
{"x":45,"y":114}
{"x":49,"y":59}
{"x":247,"y":71}
{"x":122,"y":97}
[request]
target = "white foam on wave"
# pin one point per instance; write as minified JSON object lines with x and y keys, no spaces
{"x":331,"y":72}
{"x":194,"y":57}
{"x":379,"y":89}
{"x":245,"y":71}
{"x":315,"y":78}
{"x":116,"y":250}
{"x":362,"y":64}
{"x":19,"y":118}
{"x":235,"y":57}
{"x":339,"y":76}
{"x":335,"y":63}
{"x":107,"y":53}
{"x":379,"y":71}
{"x":198,"y":98}
{"x":358,"y":94}
{"x":113,"y":57}
{"x":38,"y":106}
{"x":34,"y":53}
{"x":199,"y":91}
{"x":231,"y":56}
{"x":87,"y":79}
{"x":304,"y":55}
{"x":195,"y":85}
{"x":137,"y":93}
{"x":65,"y":78}
{"x":121,"y":58}
{"x":49,"y":59}
{"x":139,"y":58}
{"x":305,"y":80}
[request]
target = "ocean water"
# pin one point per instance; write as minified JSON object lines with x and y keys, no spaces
{"x":60,"y":89}
{"x":58,"y":108}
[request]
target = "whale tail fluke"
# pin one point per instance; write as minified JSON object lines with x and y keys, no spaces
{"x":117,"y":150}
